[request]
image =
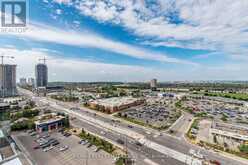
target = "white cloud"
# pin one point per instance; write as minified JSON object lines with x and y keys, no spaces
{"x":70,"y":69}
{"x":67,"y":69}
{"x":50,"y":34}
{"x":219,"y":25}
{"x":63,"y":1}
{"x":59,"y":11}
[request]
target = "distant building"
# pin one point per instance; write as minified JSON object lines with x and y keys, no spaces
{"x":153,"y":84}
{"x":23,"y":81}
{"x":50,"y":89}
{"x":8,"y":80}
{"x":41,"y":91}
{"x":41,"y":75}
{"x":31,"y":81}
{"x":171,"y":95}
{"x":49,"y":122}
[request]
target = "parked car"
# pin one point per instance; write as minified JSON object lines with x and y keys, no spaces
{"x":96,"y":149}
{"x":63,"y":148}
{"x":89,"y":145}
{"x":45,"y":146}
{"x":138,"y":143}
{"x":55,"y":143}
{"x":81,"y":141}
{"x":61,"y":130}
{"x":85,"y":142}
{"x":33,"y":134}
{"x":48,"y":149}
{"x":30,"y":131}
{"x":46,"y":136}
{"x":36,"y":147}
{"x":67,"y":134}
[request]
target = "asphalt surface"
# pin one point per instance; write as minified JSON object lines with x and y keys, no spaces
{"x":175,"y":143}
{"x":74,"y":155}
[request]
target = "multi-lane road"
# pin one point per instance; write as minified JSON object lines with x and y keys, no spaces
{"x":157,"y":148}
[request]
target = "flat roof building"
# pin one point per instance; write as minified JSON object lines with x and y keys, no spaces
{"x":41,"y":75}
{"x":8,"y":80}
{"x":4,"y":107}
{"x":49,"y":122}
{"x":236,"y":132}
{"x":114,"y":104}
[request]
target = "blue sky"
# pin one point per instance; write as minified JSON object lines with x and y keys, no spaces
{"x":133,"y":40}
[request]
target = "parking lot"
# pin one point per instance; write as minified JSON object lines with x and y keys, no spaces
{"x":65,"y":150}
{"x":156,"y":115}
{"x":228,"y":112}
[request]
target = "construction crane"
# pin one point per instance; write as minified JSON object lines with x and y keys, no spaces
{"x":3,"y":56}
{"x":43,"y":59}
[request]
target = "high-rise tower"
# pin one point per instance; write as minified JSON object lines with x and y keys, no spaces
{"x":8,"y":80}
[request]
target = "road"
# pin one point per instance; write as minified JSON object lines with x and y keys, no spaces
{"x":174,"y":150}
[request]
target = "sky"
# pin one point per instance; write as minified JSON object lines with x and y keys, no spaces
{"x":133,"y":40}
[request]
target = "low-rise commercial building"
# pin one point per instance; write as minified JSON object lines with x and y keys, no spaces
{"x":4,"y":107}
{"x":238,"y":133}
{"x":49,"y":122}
{"x":115,"y":104}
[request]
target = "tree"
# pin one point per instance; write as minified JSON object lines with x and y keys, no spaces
{"x":83,"y":131}
{"x":243,"y":148}
{"x":215,"y":139}
{"x":66,"y":121}
{"x":119,"y":114}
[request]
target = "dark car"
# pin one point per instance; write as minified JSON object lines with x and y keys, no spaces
{"x":61,"y":130}
{"x":45,"y":145}
{"x":215,"y":162}
{"x":67,"y":134}
{"x":36,"y":147}
{"x":138,"y":143}
{"x":55,"y":143}
{"x":120,"y":141}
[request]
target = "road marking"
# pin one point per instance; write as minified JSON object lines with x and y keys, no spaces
{"x":162,"y":149}
{"x":150,"y":162}
{"x":171,"y":153}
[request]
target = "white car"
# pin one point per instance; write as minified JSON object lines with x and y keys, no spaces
{"x":48,"y":149}
{"x":196,"y":154}
{"x":63,"y":148}
{"x":149,"y":133}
